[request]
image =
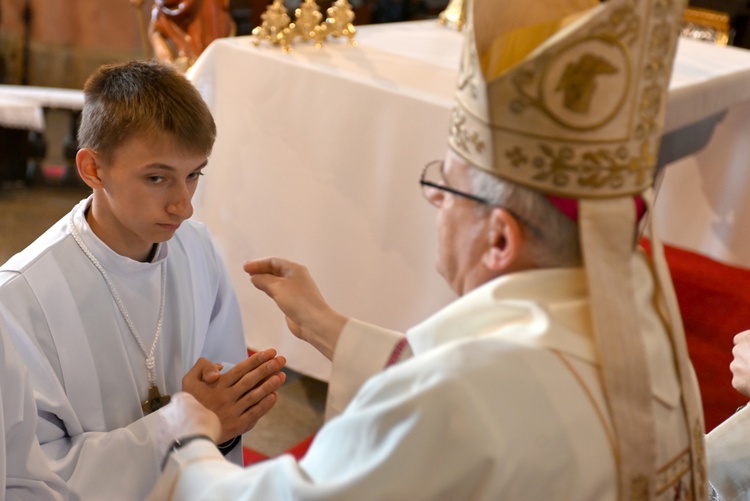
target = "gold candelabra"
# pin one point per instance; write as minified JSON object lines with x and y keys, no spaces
{"x":454,"y":14}
{"x":277,"y":27}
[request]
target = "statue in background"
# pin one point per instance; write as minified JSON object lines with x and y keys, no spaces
{"x":181,"y":29}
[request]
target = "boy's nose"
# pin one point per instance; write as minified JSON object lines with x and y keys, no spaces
{"x":182,"y":209}
{"x":182,"y":205}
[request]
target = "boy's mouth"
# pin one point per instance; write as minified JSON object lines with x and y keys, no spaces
{"x":169,"y":227}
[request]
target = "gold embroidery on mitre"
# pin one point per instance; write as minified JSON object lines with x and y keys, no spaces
{"x":578,"y":82}
{"x":589,"y":104}
{"x":467,"y":74}
{"x":594,"y":168}
{"x":463,"y":135}
{"x":465,"y":139}
{"x":576,"y":87}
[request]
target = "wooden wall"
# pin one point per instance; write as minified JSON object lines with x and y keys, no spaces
{"x":68,"y":38}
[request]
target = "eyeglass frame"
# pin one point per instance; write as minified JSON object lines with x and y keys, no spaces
{"x":444,"y":187}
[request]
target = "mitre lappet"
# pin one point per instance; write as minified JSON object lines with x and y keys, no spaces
{"x":568,"y":97}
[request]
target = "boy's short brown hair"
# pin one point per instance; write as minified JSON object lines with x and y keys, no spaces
{"x":143,"y":97}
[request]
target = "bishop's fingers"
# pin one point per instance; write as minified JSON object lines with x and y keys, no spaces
{"x":271,"y":265}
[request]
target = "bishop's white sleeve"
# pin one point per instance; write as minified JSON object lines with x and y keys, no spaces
{"x":24,"y":472}
{"x":728,"y":456}
{"x":388,"y":444}
{"x":362,"y":351}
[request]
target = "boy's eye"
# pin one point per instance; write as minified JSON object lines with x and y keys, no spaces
{"x":155,"y":179}
{"x":195,"y":175}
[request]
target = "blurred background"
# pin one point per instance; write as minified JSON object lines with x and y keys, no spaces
{"x":58,"y":43}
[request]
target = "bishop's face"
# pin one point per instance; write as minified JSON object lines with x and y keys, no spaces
{"x":461,"y":228}
{"x":144,"y":193}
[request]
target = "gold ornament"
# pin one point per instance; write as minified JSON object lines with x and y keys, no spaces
{"x":579,"y":115}
{"x":306,"y":18}
{"x":339,"y":21}
{"x":275,"y":20}
{"x":454,"y":14}
{"x":308,"y":24}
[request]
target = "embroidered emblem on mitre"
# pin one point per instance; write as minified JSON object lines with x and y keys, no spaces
{"x":566,"y":96}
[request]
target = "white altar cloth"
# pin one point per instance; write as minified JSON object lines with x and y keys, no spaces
{"x":21,"y":113}
{"x":47,"y":97}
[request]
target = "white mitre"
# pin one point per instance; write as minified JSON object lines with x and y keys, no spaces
{"x":568,"y":97}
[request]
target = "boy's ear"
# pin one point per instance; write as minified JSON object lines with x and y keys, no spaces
{"x":87,"y":162}
{"x":505,"y":241}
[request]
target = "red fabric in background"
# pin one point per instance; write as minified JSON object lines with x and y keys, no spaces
{"x":252,"y":456}
{"x":298,"y":451}
{"x":714,"y":301}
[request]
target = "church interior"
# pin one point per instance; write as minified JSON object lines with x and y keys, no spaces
{"x":48,"y":48}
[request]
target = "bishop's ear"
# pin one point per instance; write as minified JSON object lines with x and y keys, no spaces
{"x":503,"y":254}
{"x":88,"y":164}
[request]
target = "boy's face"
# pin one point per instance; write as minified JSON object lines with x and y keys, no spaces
{"x":143,"y":194}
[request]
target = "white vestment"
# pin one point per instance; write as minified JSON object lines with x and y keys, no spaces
{"x":501,"y":400}
{"x":728,"y":457}
{"x":24,"y":473}
{"x":88,"y":371}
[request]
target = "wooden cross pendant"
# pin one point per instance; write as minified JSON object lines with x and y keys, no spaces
{"x":155,"y":401}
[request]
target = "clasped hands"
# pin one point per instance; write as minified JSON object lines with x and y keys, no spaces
{"x":240,"y":396}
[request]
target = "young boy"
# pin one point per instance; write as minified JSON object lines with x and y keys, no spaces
{"x":124,"y":294}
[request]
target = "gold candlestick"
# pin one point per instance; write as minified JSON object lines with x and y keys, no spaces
{"x":275,"y":20}
{"x":339,"y":21}
{"x":454,"y":14}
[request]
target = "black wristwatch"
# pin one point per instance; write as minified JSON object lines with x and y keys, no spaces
{"x":226,"y":447}
{"x":182,"y":442}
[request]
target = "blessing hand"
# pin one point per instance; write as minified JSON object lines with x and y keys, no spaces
{"x":308,"y":315}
